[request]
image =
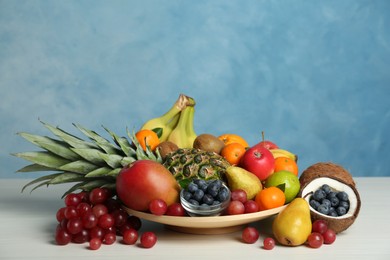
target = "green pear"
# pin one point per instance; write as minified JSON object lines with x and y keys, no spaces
{"x":292,"y":225}
{"x":239,"y":178}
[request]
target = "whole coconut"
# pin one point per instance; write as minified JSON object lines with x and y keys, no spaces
{"x":338,"y":179}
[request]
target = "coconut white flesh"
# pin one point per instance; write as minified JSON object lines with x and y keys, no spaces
{"x":335,"y":186}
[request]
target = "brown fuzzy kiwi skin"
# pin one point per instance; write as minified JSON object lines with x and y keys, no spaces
{"x":209,"y":143}
{"x":338,"y":173}
{"x":166,"y":148}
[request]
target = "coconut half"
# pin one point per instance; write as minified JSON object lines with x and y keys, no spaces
{"x":341,"y":223}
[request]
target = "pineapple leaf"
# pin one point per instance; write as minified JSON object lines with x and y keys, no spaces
{"x":35,"y":168}
{"x":113,"y":160}
{"x":122,"y":142}
{"x":72,"y":140}
{"x":55,"y":146}
{"x":114,"y":172}
{"x":66,"y":177}
{"x":90,"y":154}
{"x":46,"y":178}
{"x":127,"y":160}
{"x":100,"y":141}
{"x":80,"y":166}
{"x":43,"y":158}
{"x":103,"y":171}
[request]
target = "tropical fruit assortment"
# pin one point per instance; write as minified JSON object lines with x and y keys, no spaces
{"x":152,"y":167}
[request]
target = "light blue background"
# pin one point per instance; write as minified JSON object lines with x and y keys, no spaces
{"x":314,"y":75}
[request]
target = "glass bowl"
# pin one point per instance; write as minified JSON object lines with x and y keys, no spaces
{"x":204,"y":209}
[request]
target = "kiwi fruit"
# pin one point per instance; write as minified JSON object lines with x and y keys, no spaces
{"x":209,"y":143}
{"x":165,"y":148}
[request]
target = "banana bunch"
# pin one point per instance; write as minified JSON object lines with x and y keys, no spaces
{"x":283,"y":153}
{"x":177,"y":124}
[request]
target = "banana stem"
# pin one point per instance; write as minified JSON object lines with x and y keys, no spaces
{"x":181,"y":103}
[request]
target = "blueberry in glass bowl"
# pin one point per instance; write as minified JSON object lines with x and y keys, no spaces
{"x":205,"y":198}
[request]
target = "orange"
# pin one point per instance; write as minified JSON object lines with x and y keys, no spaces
{"x":233,"y":138}
{"x":286,"y":164}
{"x":270,"y":198}
{"x":147,"y":137}
{"x":233,"y":152}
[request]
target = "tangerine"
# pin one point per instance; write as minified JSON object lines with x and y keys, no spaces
{"x":233,"y":138}
{"x":233,"y":152}
{"x":147,"y":137}
{"x":270,"y":198}
{"x":286,"y":164}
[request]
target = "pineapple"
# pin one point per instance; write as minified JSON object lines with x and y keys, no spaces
{"x":88,"y":163}
{"x":189,"y":163}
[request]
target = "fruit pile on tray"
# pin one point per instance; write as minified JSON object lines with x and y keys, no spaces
{"x":165,"y":168}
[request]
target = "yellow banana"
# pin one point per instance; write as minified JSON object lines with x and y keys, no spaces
{"x":191,"y":135}
{"x":179,"y":134}
{"x":283,"y":153}
{"x":167,"y":122}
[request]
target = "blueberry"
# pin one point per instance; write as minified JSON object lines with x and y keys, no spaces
{"x":187,"y":195}
{"x":208,"y":199}
{"x":204,"y":206}
{"x":341,"y":211}
{"x":342,"y":195}
{"x":326,"y":188}
{"x":194,"y":202}
{"x":334,"y":201}
{"x":326,"y":202}
{"x":333,"y":213}
{"x":198,"y":195}
{"x":214,"y":187}
{"x":203,"y":187}
{"x":344,"y":204}
{"x":314,"y":204}
{"x":331,"y":195}
{"x":319,"y":195}
{"x":199,"y":182}
{"x":216,"y":202}
{"x":223,"y":194}
{"x":324,"y":209}
{"x":192,"y":187}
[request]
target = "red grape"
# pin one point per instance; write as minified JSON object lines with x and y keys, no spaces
{"x":176,"y":209}
{"x":99,"y":210}
{"x":81,"y":237}
{"x":98,"y":195}
{"x":96,"y":232}
{"x":148,"y":239}
{"x":268,"y":243}
{"x":60,"y":214}
{"x":120,"y":217}
{"x":239,"y":195}
{"x":109,"y":238}
{"x":130,"y":236}
{"x":106,"y":221}
{"x":62,"y":237}
{"x":250,"y":235}
{"x":74,"y":225}
{"x":158,"y":207}
{"x":70,"y":212}
{"x":251,"y":206}
{"x":89,"y":220}
{"x":72,"y":199}
{"x":329,"y":236}
{"x":315,"y":240}
{"x":95,"y":243}
{"x":319,"y":226}
{"x":83,"y":208}
{"x":235,"y":207}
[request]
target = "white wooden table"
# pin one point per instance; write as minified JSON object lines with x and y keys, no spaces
{"x":27,"y":224}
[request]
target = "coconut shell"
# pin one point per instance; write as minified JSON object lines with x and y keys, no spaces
{"x":338,"y":174}
{"x":326,"y":169}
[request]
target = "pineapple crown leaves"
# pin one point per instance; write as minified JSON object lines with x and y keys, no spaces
{"x":90,"y":163}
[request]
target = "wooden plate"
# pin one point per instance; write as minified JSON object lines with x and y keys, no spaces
{"x":206,"y":225}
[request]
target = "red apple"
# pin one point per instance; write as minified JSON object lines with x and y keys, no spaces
{"x":144,"y":181}
{"x":268,"y":144}
{"x":259,"y":161}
